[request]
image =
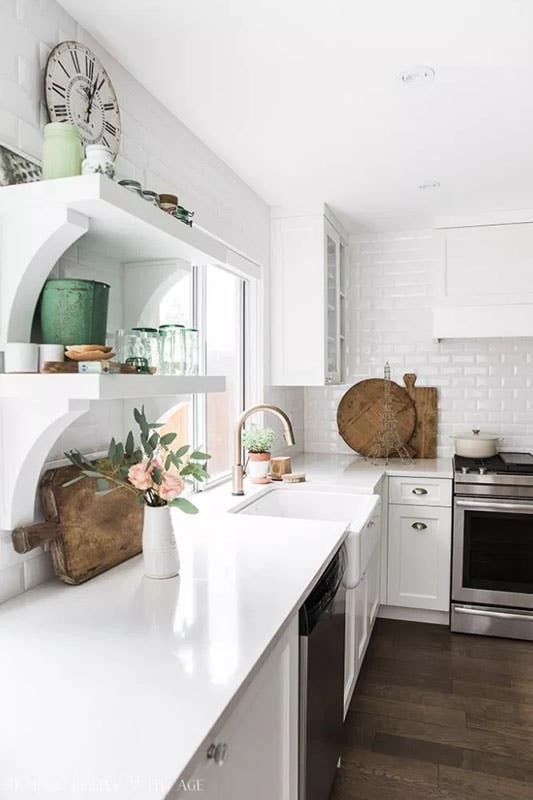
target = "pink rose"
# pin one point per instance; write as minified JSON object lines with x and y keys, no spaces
{"x":140,"y":477}
{"x":172,"y":486}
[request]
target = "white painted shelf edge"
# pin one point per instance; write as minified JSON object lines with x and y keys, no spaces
{"x":43,"y":387}
{"x":121,"y":223}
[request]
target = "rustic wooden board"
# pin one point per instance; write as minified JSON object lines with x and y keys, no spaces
{"x":359,"y":416}
{"x":97,"y":533}
{"x":424,"y":439}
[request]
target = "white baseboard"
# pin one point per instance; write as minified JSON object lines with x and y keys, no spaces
{"x":414,"y":614}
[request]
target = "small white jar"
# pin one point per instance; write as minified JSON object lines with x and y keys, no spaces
{"x":98,"y":159}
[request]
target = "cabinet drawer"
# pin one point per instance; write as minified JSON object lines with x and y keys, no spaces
{"x":420,"y":491}
{"x":419,"y":557}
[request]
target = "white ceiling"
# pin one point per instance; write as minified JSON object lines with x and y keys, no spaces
{"x":303,"y":99}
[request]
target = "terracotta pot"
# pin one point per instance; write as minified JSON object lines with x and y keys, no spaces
{"x":258,"y":467}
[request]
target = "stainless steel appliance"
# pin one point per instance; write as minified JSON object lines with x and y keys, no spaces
{"x":492,"y":552}
{"x":322,"y":682}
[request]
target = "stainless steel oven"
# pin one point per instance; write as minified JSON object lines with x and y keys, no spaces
{"x":492,"y":558}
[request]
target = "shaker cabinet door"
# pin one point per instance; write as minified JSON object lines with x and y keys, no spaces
{"x":419,"y":557}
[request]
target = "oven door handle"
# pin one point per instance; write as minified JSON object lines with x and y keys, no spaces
{"x":479,"y":612}
{"x":495,"y":505}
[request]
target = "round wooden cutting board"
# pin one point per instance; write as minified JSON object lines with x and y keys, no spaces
{"x":359,"y":416}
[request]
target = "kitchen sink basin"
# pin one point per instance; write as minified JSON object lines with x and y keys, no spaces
{"x":359,"y":512}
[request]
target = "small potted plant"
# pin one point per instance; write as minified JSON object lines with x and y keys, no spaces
{"x":157,"y":475}
{"x":258,"y":442}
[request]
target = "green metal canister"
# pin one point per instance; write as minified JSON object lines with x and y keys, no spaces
{"x":74,"y":311}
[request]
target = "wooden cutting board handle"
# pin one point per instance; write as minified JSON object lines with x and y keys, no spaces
{"x":410,"y":379}
{"x":29,"y":537}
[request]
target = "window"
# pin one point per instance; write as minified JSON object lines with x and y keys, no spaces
{"x":213,"y":300}
{"x":224,"y":355}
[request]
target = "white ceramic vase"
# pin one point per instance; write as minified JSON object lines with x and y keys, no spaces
{"x":98,"y":159}
{"x":160,"y":552}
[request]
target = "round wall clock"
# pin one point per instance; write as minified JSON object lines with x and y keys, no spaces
{"x":78,"y":90}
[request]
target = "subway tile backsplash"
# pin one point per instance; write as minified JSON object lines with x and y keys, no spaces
{"x":484,"y":383}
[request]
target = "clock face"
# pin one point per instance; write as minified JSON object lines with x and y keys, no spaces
{"x":78,"y":90}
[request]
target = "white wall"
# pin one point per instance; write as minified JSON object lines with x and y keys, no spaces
{"x":484,"y":383}
{"x":158,"y":150}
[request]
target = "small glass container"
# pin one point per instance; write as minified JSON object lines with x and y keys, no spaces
{"x":172,"y":352}
{"x":131,"y":186}
{"x":150,"y":197}
{"x":168,"y":203}
{"x":129,"y":344}
{"x":62,"y":150}
{"x":140,"y":365}
{"x":149,"y":344}
{"x":192,"y":352}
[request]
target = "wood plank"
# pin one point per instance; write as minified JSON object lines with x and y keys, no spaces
{"x":460,"y":784}
{"x":425,"y":398}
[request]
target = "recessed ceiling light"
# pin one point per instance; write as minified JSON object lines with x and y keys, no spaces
{"x":425,"y":186}
{"x":418,"y":76}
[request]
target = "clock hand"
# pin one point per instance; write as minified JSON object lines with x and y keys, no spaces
{"x":91,"y":95}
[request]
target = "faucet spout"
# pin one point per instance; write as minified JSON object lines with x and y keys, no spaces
{"x":238,"y":468}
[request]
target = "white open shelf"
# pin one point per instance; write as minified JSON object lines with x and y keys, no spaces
{"x":105,"y":387}
{"x":121,"y":224}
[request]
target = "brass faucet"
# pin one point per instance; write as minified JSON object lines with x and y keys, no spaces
{"x":238,"y":469}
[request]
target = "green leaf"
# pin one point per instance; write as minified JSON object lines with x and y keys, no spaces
{"x":168,"y":461}
{"x":74,"y":480}
{"x":155,"y":425}
{"x":154,"y":440}
{"x":140,"y":500}
{"x":184,"y":505}
{"x":111,"y":450}
{"x":180,"y":452}
{"x":148,"y":449}
{"x":119,"y":455}
{"x":102,"y":485}
{"x":167,"y":439}
{"x":137,"y":416}
{"x":198,"y":456}
{"x":91,"y":473}
{"x":156,"y":476}
{"x":130,"y":444}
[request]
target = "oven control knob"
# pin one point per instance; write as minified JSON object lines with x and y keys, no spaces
{"x":464,"y":470}
{"x":482,"y":470}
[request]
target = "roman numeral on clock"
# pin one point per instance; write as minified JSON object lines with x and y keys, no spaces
{"x":60,"y":111}
{"x":63,"y":68}
{"x":75,"y":60}
{"x":108,"y":106}
{"x":58,"y":89}
{"x":100,"y":84}
{"x":89,"y":67}
{"x":110,"y":128}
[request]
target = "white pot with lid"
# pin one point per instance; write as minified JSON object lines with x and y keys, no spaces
{"x":476,"y":444}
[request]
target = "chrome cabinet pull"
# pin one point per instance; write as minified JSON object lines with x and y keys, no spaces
{"x":419,"y":490}
{"x":419,"y":526}
{"x":217,"y":753}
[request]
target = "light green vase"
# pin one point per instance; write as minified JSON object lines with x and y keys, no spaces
{"x":62,"y":150}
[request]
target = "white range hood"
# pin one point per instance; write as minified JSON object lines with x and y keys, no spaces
{"x":486,"y":279}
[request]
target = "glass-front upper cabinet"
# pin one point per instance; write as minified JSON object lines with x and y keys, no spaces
{"x":308,"y":300}
{"x":333,"y":310}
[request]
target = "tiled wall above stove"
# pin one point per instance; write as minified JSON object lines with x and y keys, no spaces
{"x":482,"y":382}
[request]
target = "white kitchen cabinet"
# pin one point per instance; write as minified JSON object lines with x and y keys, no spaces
{"x":486,"y":283}
{"x":254,"y":754}
{"x":308,"y":300}
{"x":362,"y":605}
{"x":419,"y":557}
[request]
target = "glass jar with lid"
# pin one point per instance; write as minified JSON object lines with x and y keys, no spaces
{"x":172,"y":349}
{"x":149,"y":345}
{"x":191,"y":351}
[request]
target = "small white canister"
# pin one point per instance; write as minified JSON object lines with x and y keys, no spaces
{"x":21,"y":357}
{"x":98,"y":159}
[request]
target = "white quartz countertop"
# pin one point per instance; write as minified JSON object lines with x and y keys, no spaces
{"x":110,"y":688}
{"x":364,"y":476}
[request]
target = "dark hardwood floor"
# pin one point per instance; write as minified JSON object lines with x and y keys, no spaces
{"x":439,"y":716}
